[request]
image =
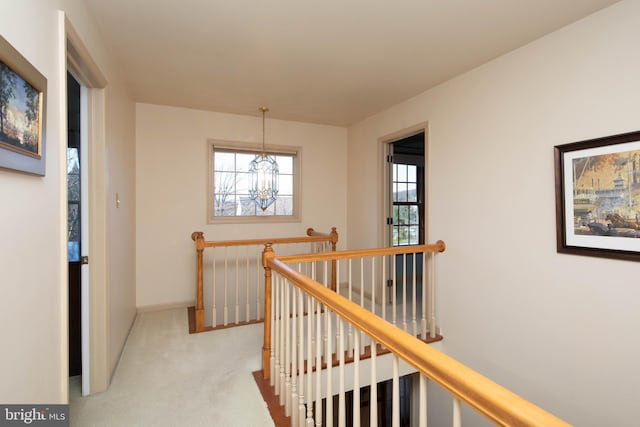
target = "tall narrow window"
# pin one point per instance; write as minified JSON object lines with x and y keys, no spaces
{"x":73,"y":213}
{"x":407,"y":205}
{"x":229,"y":199}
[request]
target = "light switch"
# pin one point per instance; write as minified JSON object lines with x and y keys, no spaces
{"x":117,"y":200}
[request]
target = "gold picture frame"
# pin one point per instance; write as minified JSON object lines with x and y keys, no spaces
{"x":22,"y":113}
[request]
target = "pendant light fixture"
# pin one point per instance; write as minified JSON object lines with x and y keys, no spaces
{"x":263,"y":175}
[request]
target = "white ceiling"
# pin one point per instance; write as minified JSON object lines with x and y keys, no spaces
{"x":330,"y":62}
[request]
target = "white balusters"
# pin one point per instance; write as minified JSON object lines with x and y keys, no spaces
{"x":362,"y":341}
{"x":301,"y":365}
{"x":384,"y":287}
{"x":272,"y":356}
{"x":422,"y":405}
{"x":237,"y":287}
{"x":318,"y":401}
{"x":373,"y":285}
{"x":457,"y":413}
{"x":287,"y":348}
{"x":293,"y":401}
{"x":404,"y":291}
{"x":341,"y":387}
{"x":247,"y":281}
{"x":214,"y":311}
{"x":275,"y":376}
{"x":282,"y":340}
{"x":259,"y":283}
{"x":432,"y":297}
{"x":373,"y":392}
{"x":356,"y":380}
{"x":425,"y":291}
{"x":350,"y":342}
{"x":310,"y":308}
{"x":329,"y":361}
{"x":225,"y":310}
{"x":414,"y":324}
{"x":394,"y":293}
{"x":395,"y":393}
{"x":309,"y":337}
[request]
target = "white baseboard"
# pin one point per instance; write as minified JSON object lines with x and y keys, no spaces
{"x":159,"y":307}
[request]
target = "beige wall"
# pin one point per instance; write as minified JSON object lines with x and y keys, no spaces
{"x":171,"y":185}
{"x":33,"y":317}
{"x":558,"y":329}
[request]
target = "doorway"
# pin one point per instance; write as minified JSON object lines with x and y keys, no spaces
{"x":406,"y":209}
{"x":77,"y":60}
{"x":74,"y":224}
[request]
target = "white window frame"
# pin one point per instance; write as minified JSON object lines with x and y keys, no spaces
{"x":295,"y":152}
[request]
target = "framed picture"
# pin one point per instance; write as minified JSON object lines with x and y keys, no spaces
{"x":22,"y":113}
{"x":598,"y":197}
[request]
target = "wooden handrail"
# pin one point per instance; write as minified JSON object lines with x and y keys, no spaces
{"x":488,"y":398}
{"x":439,"y":246}
{"x":274,"y":240}
{"x":198,"y":237}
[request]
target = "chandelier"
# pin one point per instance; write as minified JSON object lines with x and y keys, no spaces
{"x":263,"y":175}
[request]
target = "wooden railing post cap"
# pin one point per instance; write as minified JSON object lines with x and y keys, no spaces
{"x":267,"y":254}
{"x":309,"y":231}
{"x":442,"y":245}
{"x":197,"y":235}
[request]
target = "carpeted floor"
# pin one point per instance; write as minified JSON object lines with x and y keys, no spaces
{"x":167,"y":377}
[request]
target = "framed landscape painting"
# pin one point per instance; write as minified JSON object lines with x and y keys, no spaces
{"x":598,"y":197}
{"x":22,"y":107}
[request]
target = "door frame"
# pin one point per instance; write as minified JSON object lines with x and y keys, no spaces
{"x":384,"y":235}
{"x":79,"y":61}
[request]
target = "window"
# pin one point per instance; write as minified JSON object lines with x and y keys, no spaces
{"x":229,"y":199}
{"x":407,"y":205}
{"x":73,"y":200}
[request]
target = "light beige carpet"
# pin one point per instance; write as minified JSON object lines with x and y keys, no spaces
{"x":167,"y":377}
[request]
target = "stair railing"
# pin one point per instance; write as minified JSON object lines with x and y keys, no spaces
{"x":234,"y":268}
{"x":306,"y":353}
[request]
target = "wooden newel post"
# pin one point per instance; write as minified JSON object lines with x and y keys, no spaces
{"x":267,"y":254}
{"x":334,"y":241}
{"x":198,"y":237}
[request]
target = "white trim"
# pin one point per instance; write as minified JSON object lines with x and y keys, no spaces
{"x":384,"y":195}
{"x":62,"y":184}
{"x":235,"y":146}
{"x":160,"y":307}
{"x":85,"y":232}
{"x":77,"y":58}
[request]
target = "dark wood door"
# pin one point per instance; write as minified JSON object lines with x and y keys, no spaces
{"x":75,"y":320}
{"x":73,"y":223}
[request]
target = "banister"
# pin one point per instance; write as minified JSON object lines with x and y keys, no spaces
{"x":273,"y":240}
{"x":487,"y":397}
{"x":201,"y":244}
{"x":198,"y":237}
{"x":267,"y":254}
{"x":439,"y":246}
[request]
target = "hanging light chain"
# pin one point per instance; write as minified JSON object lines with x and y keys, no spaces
{"x":264,"y":110}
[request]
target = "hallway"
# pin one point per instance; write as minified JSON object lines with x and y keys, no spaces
{"x":167,"y":377}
